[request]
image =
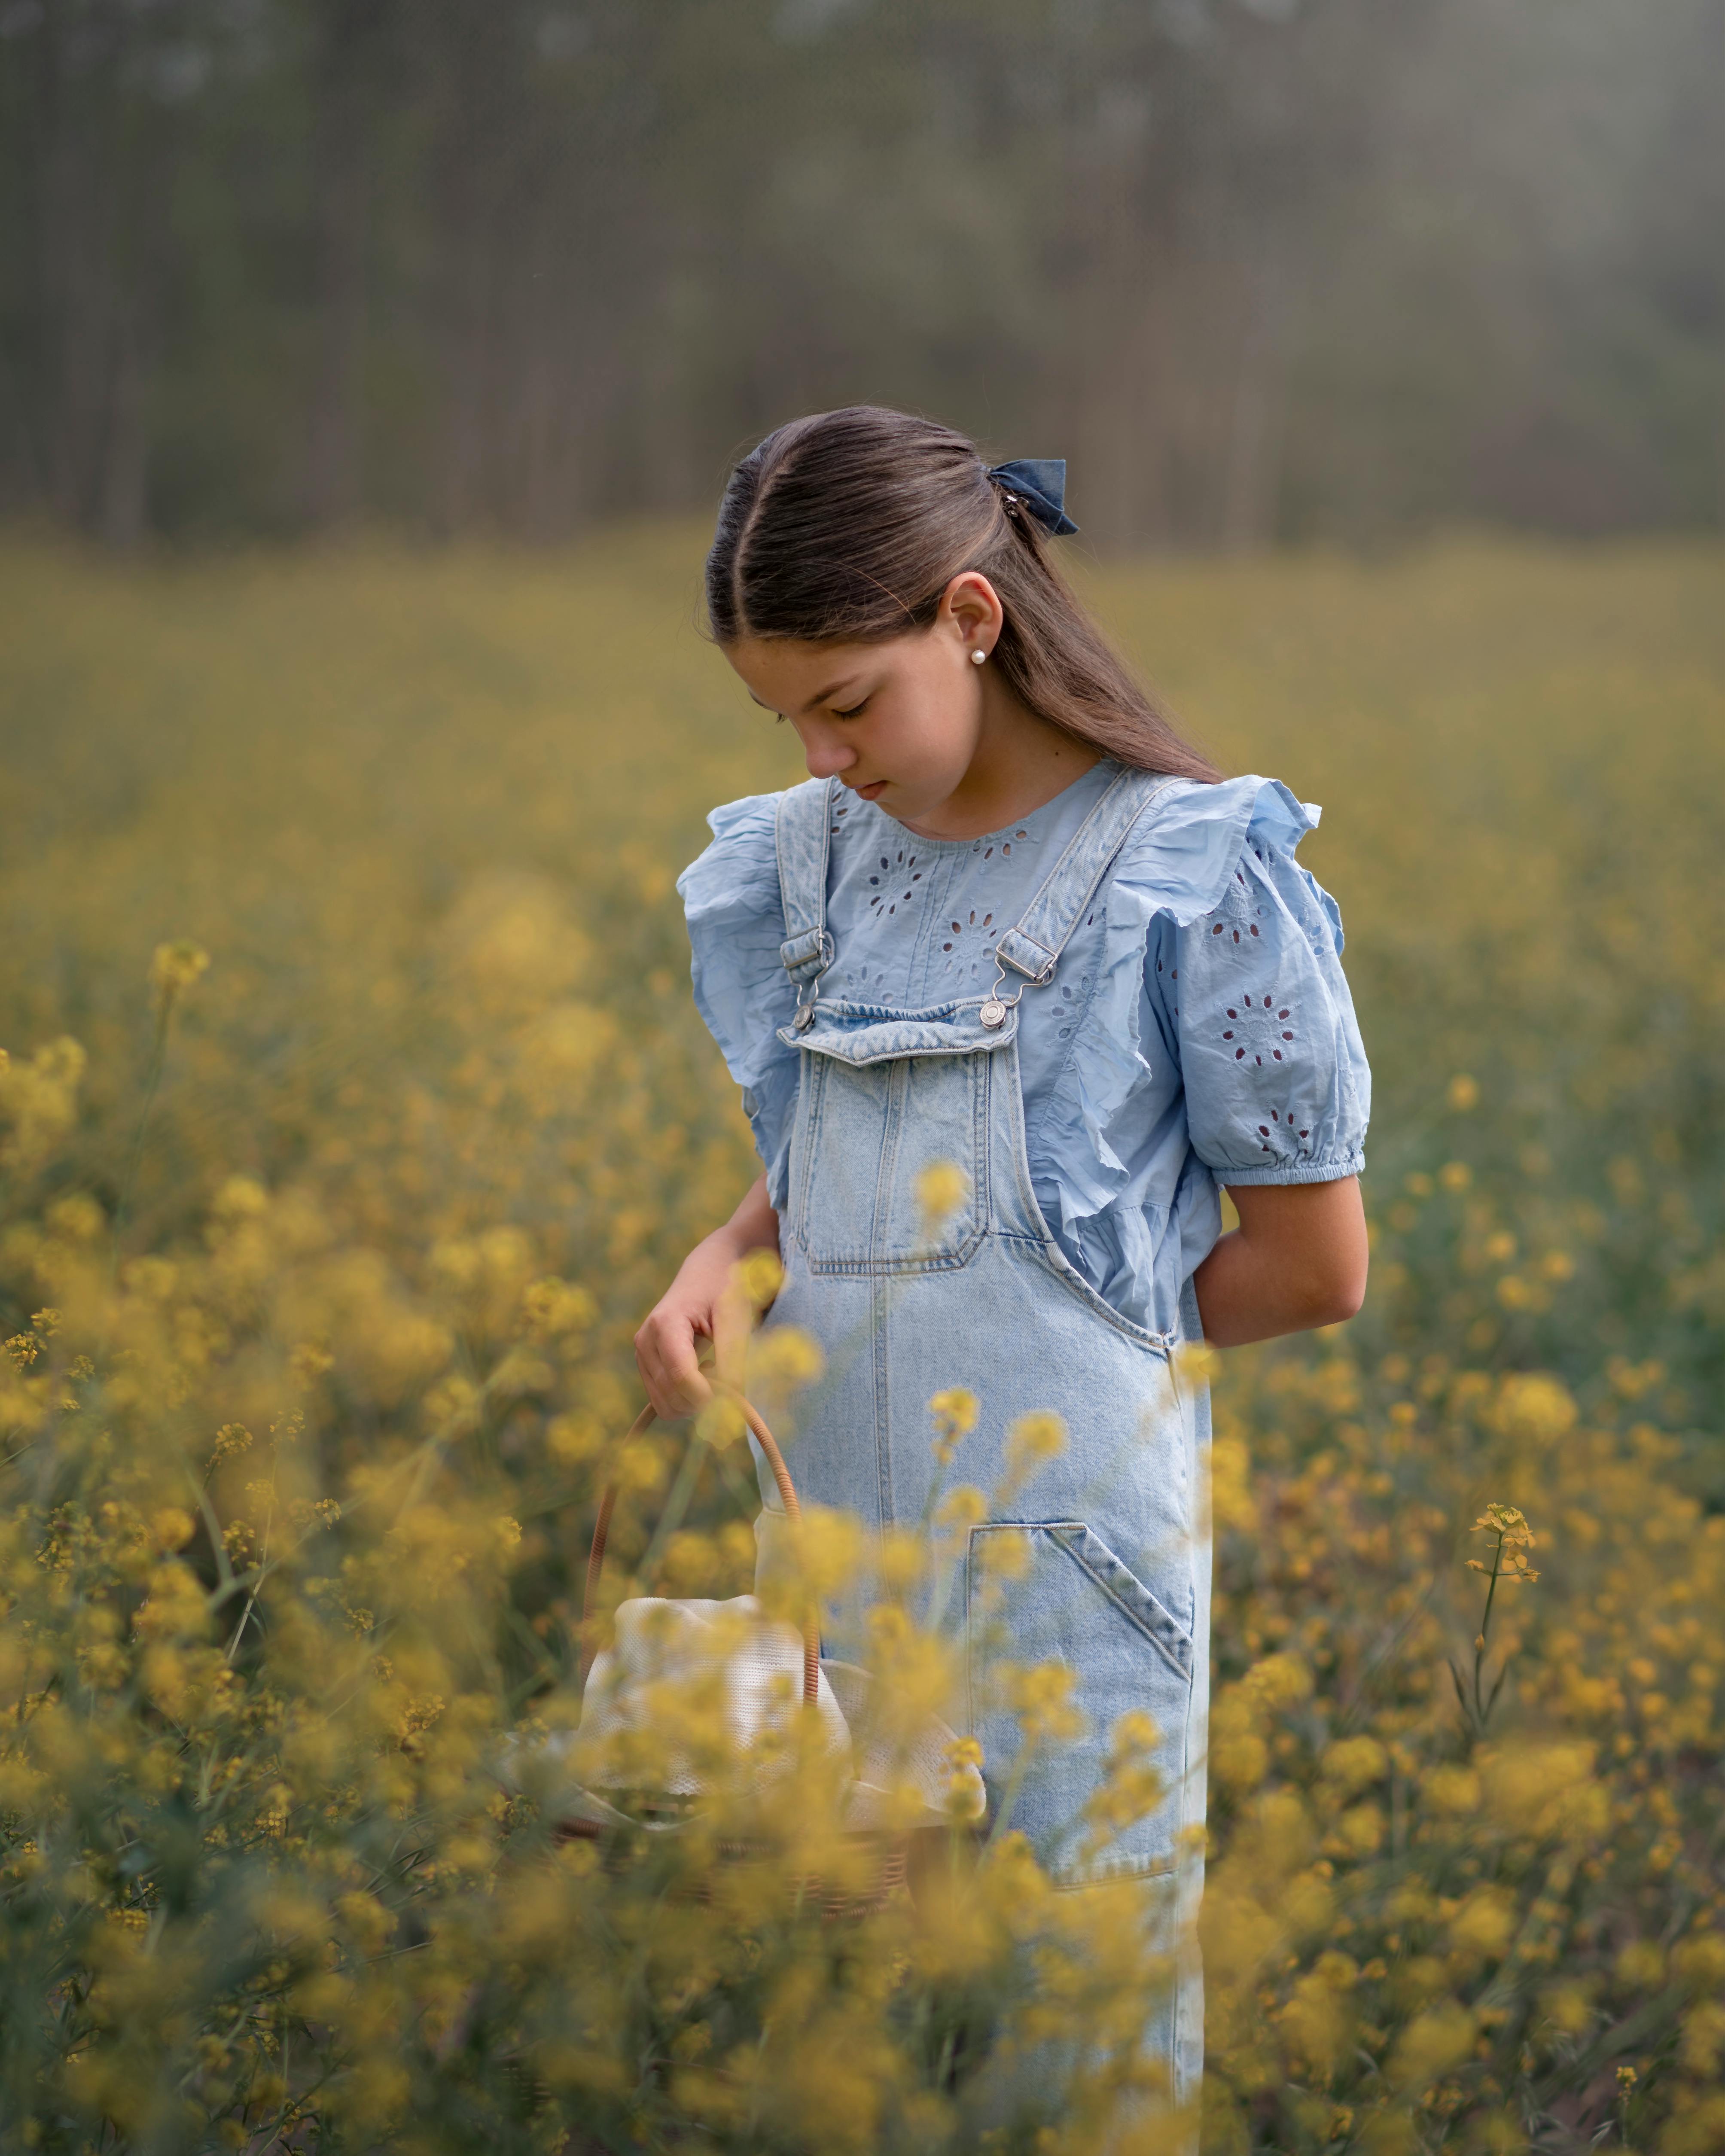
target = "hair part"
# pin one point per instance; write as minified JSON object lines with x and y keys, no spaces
{"x":847,"y":526}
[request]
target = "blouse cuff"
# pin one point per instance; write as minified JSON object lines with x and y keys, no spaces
{"x":1294,"y":1171}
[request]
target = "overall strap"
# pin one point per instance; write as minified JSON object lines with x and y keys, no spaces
{"x":803,"y":833}
{"x":1032,"y":948}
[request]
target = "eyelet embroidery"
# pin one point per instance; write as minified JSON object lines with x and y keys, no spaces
{"x":955,"y":941}
{"x":961,"y":948}
{"x":1259,"y":1028}
{"x":1284,"y":1117}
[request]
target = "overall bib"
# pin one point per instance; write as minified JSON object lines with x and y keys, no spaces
{"x":1111,"y":1576}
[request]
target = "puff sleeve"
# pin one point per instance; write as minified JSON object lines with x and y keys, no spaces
{"x":735,"y":920}
{"x":1276,"y":1082}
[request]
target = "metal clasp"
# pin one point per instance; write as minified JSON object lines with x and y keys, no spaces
{"x":995,"y":1006}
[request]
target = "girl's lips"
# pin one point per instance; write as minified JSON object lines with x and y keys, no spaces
{"x":868,"y":793}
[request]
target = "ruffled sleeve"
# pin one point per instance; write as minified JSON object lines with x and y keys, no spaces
{"x":1152,"y":1107}
{"x":1253,"y":994}
{"x":730,"y":899}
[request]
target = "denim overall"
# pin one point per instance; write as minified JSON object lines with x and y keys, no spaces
{"x":1117,"y":1584}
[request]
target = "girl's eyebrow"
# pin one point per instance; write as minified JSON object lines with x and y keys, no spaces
{"x":820,"y":696}
{"x":824,"y":695}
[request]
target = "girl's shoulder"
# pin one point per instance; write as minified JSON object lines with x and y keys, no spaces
{"x":1187,"y":849}
{"x":737,"y":873}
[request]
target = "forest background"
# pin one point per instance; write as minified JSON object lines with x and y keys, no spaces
{"x":1265,"y":269}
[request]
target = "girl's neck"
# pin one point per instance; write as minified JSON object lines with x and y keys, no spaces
{"x":1021,"y":764}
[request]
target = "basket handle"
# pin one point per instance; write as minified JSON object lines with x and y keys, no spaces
{"x":794,"y":1513}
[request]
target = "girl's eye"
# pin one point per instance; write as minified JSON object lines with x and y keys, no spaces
{"x":853,"y":711}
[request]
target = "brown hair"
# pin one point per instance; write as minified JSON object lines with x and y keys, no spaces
{"x":848,"y":526}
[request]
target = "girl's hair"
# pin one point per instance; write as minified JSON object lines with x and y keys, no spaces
{"x":848,"y":526}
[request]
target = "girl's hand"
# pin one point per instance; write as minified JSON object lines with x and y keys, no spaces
{"x":703,"y":1302}
{"x":1297,"y":1260}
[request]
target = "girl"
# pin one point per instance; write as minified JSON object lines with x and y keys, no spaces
{"x":1013,"y":922}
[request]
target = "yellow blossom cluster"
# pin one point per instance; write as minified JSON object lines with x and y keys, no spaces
{"x":353,"y":1112}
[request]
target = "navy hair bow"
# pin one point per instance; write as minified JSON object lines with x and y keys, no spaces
{"x":1040,"y":484}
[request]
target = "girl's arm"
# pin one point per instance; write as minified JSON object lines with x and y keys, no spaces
{"x":1296,"y":1260}
{"x":697,"y":1306}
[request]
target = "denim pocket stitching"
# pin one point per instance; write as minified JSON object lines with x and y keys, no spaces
{"x":811,"y":1091}
{"x":1043,"y":1250}
{"x":949,"y":1261}
{"x":1127,"y":1592}
{"x":859,"y":1261}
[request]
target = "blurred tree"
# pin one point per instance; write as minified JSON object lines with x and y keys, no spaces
{"x":1262,"y":268}
{"x":351,"y":65}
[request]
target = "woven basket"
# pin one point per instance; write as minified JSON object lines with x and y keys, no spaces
{"x":839,"y":1693}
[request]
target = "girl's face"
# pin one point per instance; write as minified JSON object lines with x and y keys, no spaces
{"x":901,"y":723}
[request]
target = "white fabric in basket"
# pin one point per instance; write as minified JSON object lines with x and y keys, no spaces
{"x":897,"y":1778}
{"x":757,"y":1660}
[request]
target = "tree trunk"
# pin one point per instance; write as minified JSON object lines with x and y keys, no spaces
{"x":122,"y":506}
{"x":348,"y":91}
{"x":331,"y":484}
{"x":1252,"y":467}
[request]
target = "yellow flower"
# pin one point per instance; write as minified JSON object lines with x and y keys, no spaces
{"x":551,"y":1309}
{"x":760,"y":1275}
{"x":966,"y":1506}
{"x":1032,"y":1442}
{"x":941,"y":1187}
{"x":1512,"y":1540}
{"x":955,"y":1412}
{"x":174,"y":967}
{"x":784,"y":1358}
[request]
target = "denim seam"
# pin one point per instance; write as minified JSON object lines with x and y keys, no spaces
{"x":1038,"y":1250}
{"x":812,"y":1090}
{"x":989,"y":1045}
{"x":1103,"y":1872}
{"x":981,"y":1151}
{"x":1057,"y":1532}
{"x":888,"y":1268}
{"x":879,"y":1311}
{"x":1076,"y":1552}
{"x":886,"y":1163}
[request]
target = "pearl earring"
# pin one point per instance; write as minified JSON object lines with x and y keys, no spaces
{"x":978,"y":657}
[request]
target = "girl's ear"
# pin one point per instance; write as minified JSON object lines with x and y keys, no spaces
{"x":971,"y":606}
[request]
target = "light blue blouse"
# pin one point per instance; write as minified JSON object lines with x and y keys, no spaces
{"x":1199,"y":1031}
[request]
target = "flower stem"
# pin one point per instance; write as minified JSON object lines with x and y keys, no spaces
{"x":153,"y":1087}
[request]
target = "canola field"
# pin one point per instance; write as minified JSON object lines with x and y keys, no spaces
{"x":355,"y":1110}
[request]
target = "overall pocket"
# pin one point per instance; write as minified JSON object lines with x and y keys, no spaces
{"x":1062,"y":1639}
{"x":865,"y":1135}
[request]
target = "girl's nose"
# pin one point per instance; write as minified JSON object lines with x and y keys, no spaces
{"x":826,"y":754}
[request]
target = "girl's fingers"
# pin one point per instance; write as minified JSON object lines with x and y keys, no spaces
{"x":666,"y":1356}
